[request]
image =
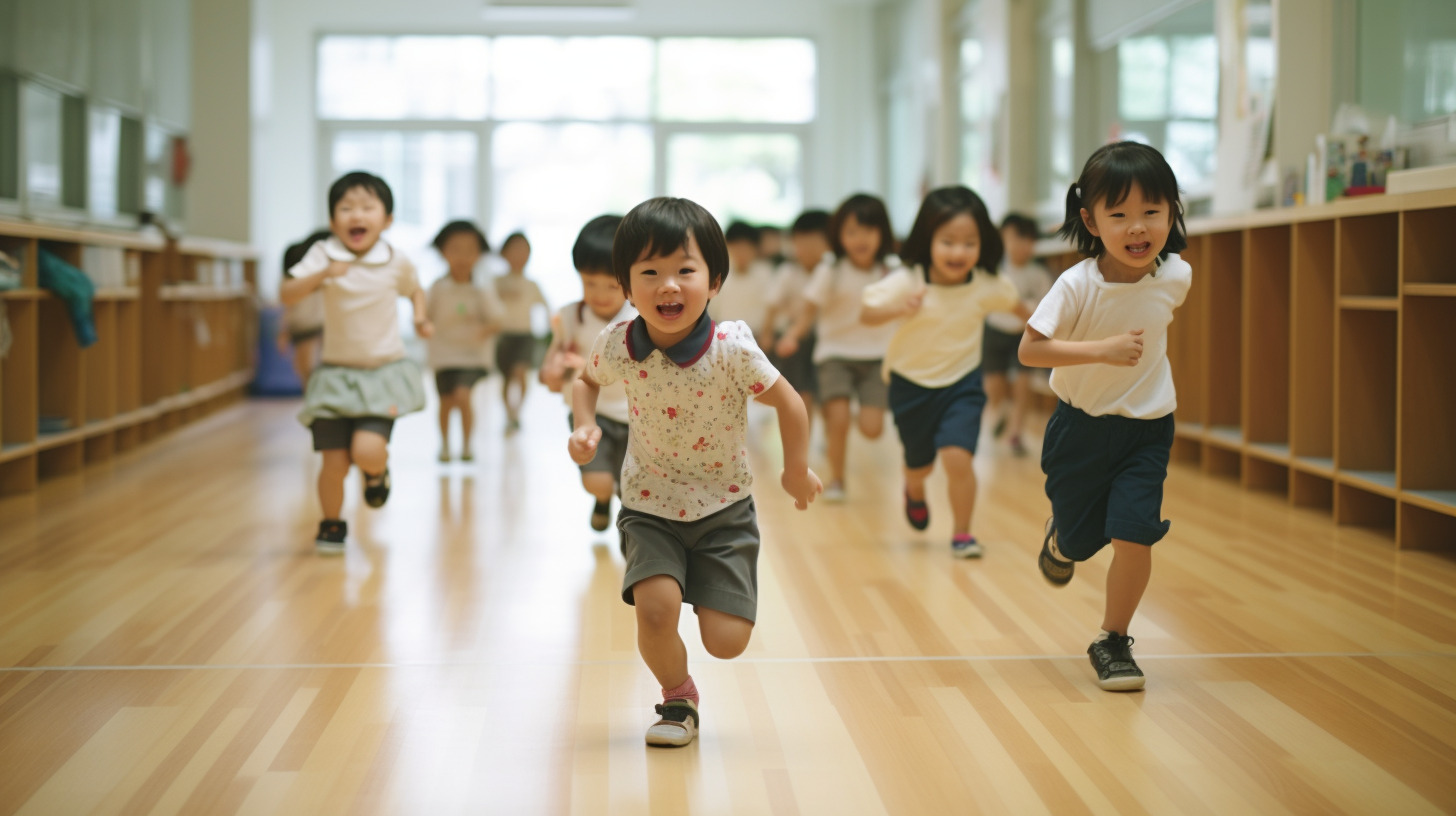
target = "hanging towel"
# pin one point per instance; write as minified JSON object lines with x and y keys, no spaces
{"x":72,"y":286}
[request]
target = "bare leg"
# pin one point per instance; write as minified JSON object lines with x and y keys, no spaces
{"x":725,"y":636}
{"x":370,"y":452}
{"x":447,"y":404}
{"x":836,"y":433}
{"x":915,"y":481}
{"x":995,"y":385}
{"x":871,"y":422}
{"x":1021,"y":402}
{"x":461,"y":398}
{"x":658,"y":602}
{"x":600,"y":485}
{"x":331,"y":482}
{"x":1127,"y":578}
{"x":961,"y":479}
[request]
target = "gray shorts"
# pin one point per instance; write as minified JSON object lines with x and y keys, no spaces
{"x":713,"y":559}
{"x":337,"y":433}
{"x":858,"y":379}
{"x":611,"y":451}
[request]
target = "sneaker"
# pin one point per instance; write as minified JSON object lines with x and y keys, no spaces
{"x":376,"y":489}
{"x":601,"y":515}
{"x":1056,"y":569}
{"x":1018,"y":448}
{"x":834,"y":493}
{"x":917,"y":513}
{"x":444,"y":455}
{"x":678,"y":726}
{"x":512,"y":425}
{"x":467,"y":456}
{"x":1112,"y":659}
{"x":965,"y":546}
{"x":330,"y":538}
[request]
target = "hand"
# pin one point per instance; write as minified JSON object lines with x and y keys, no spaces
{"x":914,"y":302}
{"x":572,"y":360}
{"x":425,"y":329}
{"x":583,"y":443}
{"x":336,"y":269}
{"x":1123,"y":349}
{"x":787,"y":346}
{"x":803,"y":485}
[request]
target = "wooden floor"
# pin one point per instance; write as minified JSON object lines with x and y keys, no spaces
{"x":169,"y":643}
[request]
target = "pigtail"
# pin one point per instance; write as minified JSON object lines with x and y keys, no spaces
{"x":1074,"y":230}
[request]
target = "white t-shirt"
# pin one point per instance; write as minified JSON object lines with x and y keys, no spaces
{"x":361,"y":321}
{"x":787,"y":293}
{"x":461,"y":312}
{"x":940,"y":343}
{"x":1084,"y":306}
{"x":518,"y":295}
{"x":689,"y":412}
{"x":744,"y":296}
{"x":1032,"y":282}
{"x":835,"y":288}
{"x":579,"y":329}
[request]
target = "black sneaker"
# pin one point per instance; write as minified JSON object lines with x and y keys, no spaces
{"x":330,"y":538}
{"x":601,"y":515}
{"x":917,"y":513}
{"x":376,"y":489}
{"x":1057,"y":570}
{"x":678,"y":724}
{"x":1112,"y":659}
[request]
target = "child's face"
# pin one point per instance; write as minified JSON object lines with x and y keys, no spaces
{"x":1019,"y":248}
{"x":810,"y":248}
{"x":770,"y":243}
{"x":1133,"y":230}
{"x":671,"y":292}
{"x":742,"y":253}
{"x":462,"y":253}
{"x":954,"y":249}
{"x":516,"y":253}
{"x":601,"y":292}
{"x":861,"y":242}
{"x":359,"y":219}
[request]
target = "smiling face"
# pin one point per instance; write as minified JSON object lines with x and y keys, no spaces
{"x":861,"y":242}
{"x":671,"y":292}
{"x":359,"y":219}
{"x":954,"y":250}
{"x":810,"y":248}
{"x":462,"y":253}
{"x":602,"y":294}
{"x":1133,"y":232}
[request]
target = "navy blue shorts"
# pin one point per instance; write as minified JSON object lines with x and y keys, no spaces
{"x":1105,"y":478}
{"x":929,"y":419}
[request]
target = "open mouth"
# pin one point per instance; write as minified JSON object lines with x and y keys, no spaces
{"x":670,"y":310}
{"x":357,"y":233}
{"x":1138,"y":250}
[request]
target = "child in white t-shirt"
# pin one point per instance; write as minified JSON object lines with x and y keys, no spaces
{"x":749,"y":282}
{"x":303,"y":322}
{"x":577,"y":326}
{"x":934,"y":361}
{"x":809,"y":239}
{"x":1004,"y":330}
{"x":515,"y":348}
{"x":688,"y":523}
{"x":466,"y":316}
{"x":1103,"y":330}
{"x":848,"y":354}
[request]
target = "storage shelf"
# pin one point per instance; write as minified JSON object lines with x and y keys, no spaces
{"x":1270,"y":451}
{"x":11,"y":452}
{"x":1189,"y":430}
{"x":119,"y":293}
{"x":1225,"y":436}
{"x":1370,"y":303}
{"x":194,"y":293}
{"x":57,"y":440}
{"x":1379,"y":481}
{"x":24,"y":294}
{"x":1441,"y":501}
{"x":1431,"y":289}
{"x":1317,"y":465}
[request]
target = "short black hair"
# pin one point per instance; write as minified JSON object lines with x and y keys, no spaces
{"x":592,"y":251}
{"x":1107,"y":176}
{"x":940,"y":206}
{"x":360,"y":180}
{"x":295,"y":252}
{"x":811,"y":221}
{"x":661,"y":226}
{"x":455,"y":228}
{"x":515,"y":236}
{"x":868,"y":210}
{"x":1022,"y":225}
{"x":741,"y":231}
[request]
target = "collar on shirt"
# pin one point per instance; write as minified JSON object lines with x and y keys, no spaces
{"x":377,"y":255}
{"x":685,"y":352}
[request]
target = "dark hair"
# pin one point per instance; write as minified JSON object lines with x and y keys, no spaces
{"x":295,"y":252}
{"x":360,"y":180}
{"x":940,"y":206}
{"x":592,"y":251}
{"x":455,"y":228}
{"x":868,"y":210}
{"x":661,"y":226}
{"x":811,"y":221}
{"x":1022,"y":225}
{"x":1107,"y":176}
{"x":741,"y":231}
{"x":515,"y":236}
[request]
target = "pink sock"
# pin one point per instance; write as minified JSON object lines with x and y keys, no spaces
{"x":686,"y":691}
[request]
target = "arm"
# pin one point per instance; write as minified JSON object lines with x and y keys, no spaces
{"x":789,"y":343}
{"x":583,"y":442}
{"x":294,"y":290}
{"x":423,"y":327}
{"x":798,"y":480}
{"x":1039,"y":351}
{"x":553,"y":367}
{"x":879,"y":315}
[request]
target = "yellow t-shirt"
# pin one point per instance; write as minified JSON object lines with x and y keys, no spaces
{"x":941,"y":343}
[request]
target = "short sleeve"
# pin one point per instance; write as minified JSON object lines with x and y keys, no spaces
{"x":407,"y":280}
{"x":1058,"y":309}
{"x":607,"y":354}
{"x":751,"y":369}
{"x":1182,"y":277}
{"x":820,"y":284}
{"x":889,"y":290}
{"x":315,"y":260}
{"x":1002,"y":296}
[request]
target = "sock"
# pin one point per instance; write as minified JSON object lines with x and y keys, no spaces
{"x":686,"y":691}
{"x":963,"y":537}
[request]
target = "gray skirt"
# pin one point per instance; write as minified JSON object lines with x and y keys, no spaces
{"x":340,"y":392}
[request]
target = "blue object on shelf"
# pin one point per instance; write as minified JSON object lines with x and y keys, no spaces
{"x":275,"y":376}
{"x":73,"y":287}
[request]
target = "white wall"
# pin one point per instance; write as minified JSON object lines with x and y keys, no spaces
{"x":845,"y":143}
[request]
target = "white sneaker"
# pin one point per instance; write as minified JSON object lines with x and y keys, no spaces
{"x":834,"y":493}
{"x":678,"y":724}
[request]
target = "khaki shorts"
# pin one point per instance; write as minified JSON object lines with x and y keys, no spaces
{"x":857,"y":379}
{"x":713,"y":559}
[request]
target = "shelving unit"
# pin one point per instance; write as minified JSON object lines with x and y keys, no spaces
{"x":1310,"y":359}
{"x":63,"y":407}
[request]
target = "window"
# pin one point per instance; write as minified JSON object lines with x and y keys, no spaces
{"x":704,"y":80}
{"x":9,"y":137}
{"x":1168,"y":97}
{"x":753,"y":177}
{"x":41,"y":112}
{"x":403,"y":77}
{"x":104,"y":162}
{"x":564,"y":78}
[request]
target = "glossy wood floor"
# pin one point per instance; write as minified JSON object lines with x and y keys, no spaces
{"x":169,"y":643}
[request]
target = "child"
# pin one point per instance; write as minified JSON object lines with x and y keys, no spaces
{"x":603,"y":304}
{"x":809,"y":238}
{"x":303,"y":322}
{"x":465,"y":316}
{"x":516,"y":346}
{"x":934,"y":361}
{"x":688,"y":523}
{"x":771,"y":245}
{"x":365,"y":382}
{"x":1103,"y":330}
{"x":744,"y":289}
{"x":848,"y":353}
{"x":1004,"y":329}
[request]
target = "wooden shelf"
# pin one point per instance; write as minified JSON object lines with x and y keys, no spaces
{"x":1225,"y":436}
{"x":24,"y":294}
{"x":1430,"y":289}
{"x":12,"y":452}
{"x":1315,"y":465}
{"x":1440,"y":501}
{"x":1188,"y":430}
{"x":1370,"y":303}
{"x":1426,"y":246}
{"x":1378,"y":481}
{"x":1368,"y":247}
{"x":1269,"y":451}
{"x":187,"y":292}
{"x":118,"y":293}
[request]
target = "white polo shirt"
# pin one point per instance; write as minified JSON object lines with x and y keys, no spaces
{"x":580,"y":327}
{"x":361,"y":321}
{"x":836,"y":287}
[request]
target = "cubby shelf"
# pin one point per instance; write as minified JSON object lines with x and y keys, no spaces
{"x":1310,"y":360}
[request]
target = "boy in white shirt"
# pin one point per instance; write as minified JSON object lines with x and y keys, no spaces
{"x":1103,"y":329}
{"x":688,"y":523}
{"x":746,"y":289}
